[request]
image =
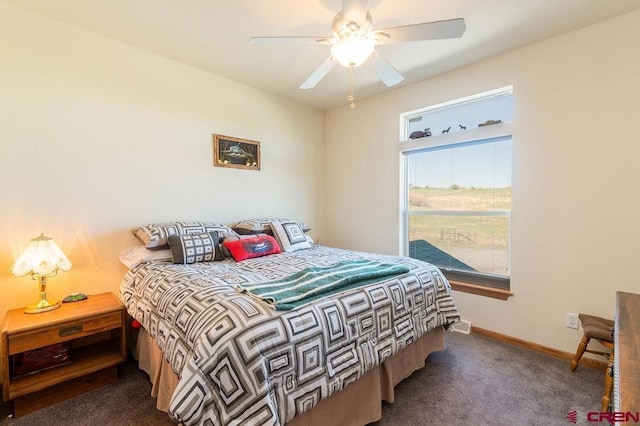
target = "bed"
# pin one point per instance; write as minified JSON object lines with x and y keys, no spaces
{"x":219,"y":355}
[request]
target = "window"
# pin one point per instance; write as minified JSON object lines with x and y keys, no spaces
{"x":457,"y":199}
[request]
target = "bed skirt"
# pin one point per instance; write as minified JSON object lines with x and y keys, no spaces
{"x":356,"y":405}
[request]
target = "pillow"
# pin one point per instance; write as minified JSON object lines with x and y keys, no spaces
{"x":290,"y":236}
{"x":154,"y":236}
{"x":258,"y":226}
{"x":248,"y":248}
{"x":225,"y":251}
{"x":133,"y":256}
{"x":194,"y":248}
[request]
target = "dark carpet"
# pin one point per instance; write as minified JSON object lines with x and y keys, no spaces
{"x":475,"y":381}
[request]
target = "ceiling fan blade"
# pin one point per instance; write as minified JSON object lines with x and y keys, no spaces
{"x":452,"y":28}
{"x":319,"y":73}
{"x":290,"y":40}
{"x":385,"y":71}
{"x":355,"y":11}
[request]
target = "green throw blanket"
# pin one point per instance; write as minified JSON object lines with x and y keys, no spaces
{"x":316,"y":282}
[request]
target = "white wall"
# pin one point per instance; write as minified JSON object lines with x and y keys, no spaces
{"x":97,"y":137}
{"x":576,"y":180}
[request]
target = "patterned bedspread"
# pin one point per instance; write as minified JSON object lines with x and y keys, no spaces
{"x":241,"y":362}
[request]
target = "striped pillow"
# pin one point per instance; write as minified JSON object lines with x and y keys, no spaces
{"x":154,"y":235}
{"x":261,"y":226}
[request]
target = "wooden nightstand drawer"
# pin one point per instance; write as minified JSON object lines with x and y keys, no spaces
{"x":63,"y":332}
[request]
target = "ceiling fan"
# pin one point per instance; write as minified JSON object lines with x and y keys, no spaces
{"x":354,"y":40}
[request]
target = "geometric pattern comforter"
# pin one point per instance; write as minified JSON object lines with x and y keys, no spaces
{"x":241,"y":362}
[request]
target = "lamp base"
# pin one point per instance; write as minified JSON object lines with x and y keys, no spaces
{"x":41,"y":306}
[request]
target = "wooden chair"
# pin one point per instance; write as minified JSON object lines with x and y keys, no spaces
{"x":600,"y":329}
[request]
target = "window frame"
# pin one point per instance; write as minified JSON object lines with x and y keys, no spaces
{"x":482,"y":284}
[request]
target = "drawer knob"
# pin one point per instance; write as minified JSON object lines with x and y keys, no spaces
{"x":74,"y":329}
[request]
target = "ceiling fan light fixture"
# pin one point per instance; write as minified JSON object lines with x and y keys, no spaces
{"x":353,"y":50}
{"x":354,"y":40}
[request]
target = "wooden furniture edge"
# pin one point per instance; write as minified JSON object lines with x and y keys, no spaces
{"x":56,"y":317}
{"x":627,"y":347}
{"x":481,"y":290}
{"x":5,"y":368}
{"x":593,"y":363}
{"x":64,"y":390}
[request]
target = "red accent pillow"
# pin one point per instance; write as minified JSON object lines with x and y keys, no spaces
{"x":249,"y":248}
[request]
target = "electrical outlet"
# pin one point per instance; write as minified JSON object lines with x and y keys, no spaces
{"x":573,"y":321}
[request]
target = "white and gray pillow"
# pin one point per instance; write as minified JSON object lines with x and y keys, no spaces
{"x":290,"y":236}
{"x":262,"y":226}
{"x":193,"y":248}
{"x":154,"y":235}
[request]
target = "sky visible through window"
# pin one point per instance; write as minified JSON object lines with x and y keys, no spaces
{"x":485,"y":165}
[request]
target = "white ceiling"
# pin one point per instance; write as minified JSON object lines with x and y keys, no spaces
{"x":213,"y":35}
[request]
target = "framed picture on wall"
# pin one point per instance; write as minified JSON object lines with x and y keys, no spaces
{"x":236,"y":153}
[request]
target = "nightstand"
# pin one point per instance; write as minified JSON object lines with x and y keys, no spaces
{"x":95,"y":329}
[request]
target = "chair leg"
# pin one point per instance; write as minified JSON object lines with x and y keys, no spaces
{"x":608,"y":385}
{"x":581,"y":348}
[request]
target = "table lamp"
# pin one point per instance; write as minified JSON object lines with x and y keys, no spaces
{"x":41,"y":259}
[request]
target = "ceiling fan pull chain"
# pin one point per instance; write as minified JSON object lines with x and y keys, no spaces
{"x":350,"y":97}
